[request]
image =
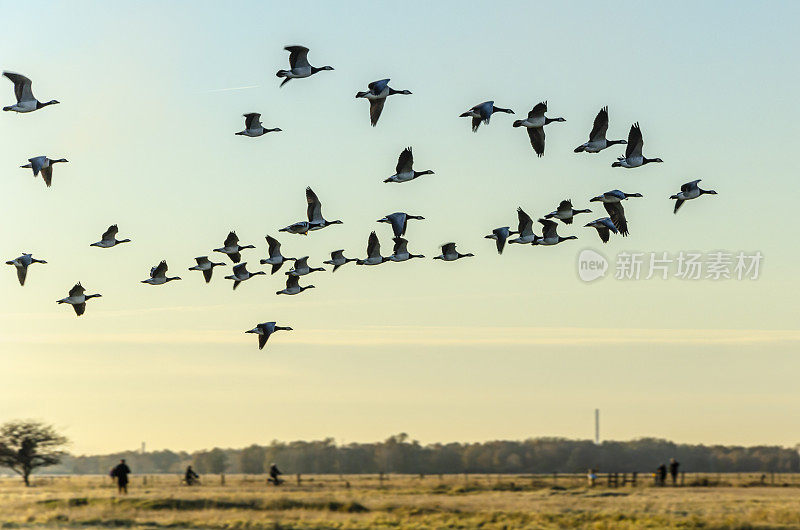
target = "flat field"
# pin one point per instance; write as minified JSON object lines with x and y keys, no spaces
{"x":401,"y":501}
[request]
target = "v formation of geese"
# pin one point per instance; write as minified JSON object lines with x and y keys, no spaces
{"x":377,"y":93}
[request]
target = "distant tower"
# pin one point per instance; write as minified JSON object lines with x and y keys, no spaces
{"x":597,"y":426}
{"x":143,"y":449}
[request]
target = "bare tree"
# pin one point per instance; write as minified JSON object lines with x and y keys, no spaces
{"x":26,"y":445}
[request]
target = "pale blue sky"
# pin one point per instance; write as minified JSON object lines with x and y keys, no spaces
{"x":493,"y":347}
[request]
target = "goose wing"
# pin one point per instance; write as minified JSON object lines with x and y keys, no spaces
{"x":375,"y":109}
{"x":525,"y":221}
{"x":79,"y":308}
{"x":314,"y":210}
{"x":240,"y":269}
{"x":373,"y":246}
{"x":337,"y":255}
{"x":252,"y":120}
{"x":231,"y":241}
{"x":262,"y":340}
{"x":400,"y":245}
{"x":202,"y":260}
{"x":47,"y":175}
{"x":22,"y":86}
{"x":76,"y":290}
{"x":635,"y":142}
{"x":538,"y":110}
{"x":405,"y":161}
{"x":690,"y":185}
{"x":565,"y":206}
{"x":207,"y":274}
{"x":37,"y":163}
{"x":678,"y":204}
{"x":536,"y":136}
{"x":160,"y":270}
{"x":298,"y":56}
{"x":549,"y":228}
{"x":600,"y":127}
{"x":617,"y":213}
{"x":22,"y":272}
{"x":274,"y":247}
{"x":376,"y":87}
{"x":110,"y":234}
{"x":448,"y":248}
{"x":292,"y":281}
{"x":399,"y":221}
{"x":301,"y":263}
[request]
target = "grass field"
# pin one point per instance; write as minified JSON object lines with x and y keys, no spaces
{"x":432,"y":502}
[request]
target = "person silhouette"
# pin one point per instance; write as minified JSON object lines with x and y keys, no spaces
{"x":190,"y":476}
{"x":274,"y":474}
{"x":121,"y":472}
{"x":661,"y":474}
{"x":673,"y":470}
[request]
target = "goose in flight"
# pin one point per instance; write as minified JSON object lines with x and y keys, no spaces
{"x":206,"y":266}
{"x":373,"y":252}
{"x":565,"y":212}
{"x":400,"y":251}
{"x":276,"y":259}
{"x":45,"y":165}
{"x":298,"y":65}
{"x":612,"y":201}
{"x":482,"y":113}
{"x":404,"y":171}
{"x":77,"y":298}
{"x":158,"y":275}
{"x":293,"y":286}
{"x":301,"y":268}
{"x":240,"y":274}
{"x":689,"y":191}
{"x":524,"y":229}
{"x":253,"y":126}
{"x":338,"y":259}
{"x":300,"y":227}
{"x":604,"y":226}
{"x":633,"y":151}
{"x":232,"y":248}
{"x":22,"y":90}
{"x":264,"y":330}
{"x":449,"y":253}
{"x":535,"y":123}
{"x":314,"y":212}
{"x":109,"y":238}
{"x":21,"y":264}
{"x":377,"y":94}
{"x":597,"y":137}
{"x":549,"y":234}
{"x":399,"y":221}
{"x":500,"y":235}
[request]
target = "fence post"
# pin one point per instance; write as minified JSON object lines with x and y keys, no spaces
{"x":222,"y":479}
{"x":299,"y":480}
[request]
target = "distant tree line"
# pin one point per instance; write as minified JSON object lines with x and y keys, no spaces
{"x":399,"y":454}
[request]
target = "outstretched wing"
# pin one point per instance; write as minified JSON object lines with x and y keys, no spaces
{"x":405,"y":161}
{"x":22,"y":86}
{"x":375,"y":109}
{"x":22,"y":272}
{"x":76,"y":290}
{"x":536,"y":134}
{"x":448,"y":248}
{"x":292,"y":281}
{"x":274,"y":247}
{"x":262,"y":340}
{"x":690,"y":185}
{"x":232,"y":240}
{"x":314,"y":210}
{"x":635,"y":142}
{"x":298,"y":56}
{"x":47,"y":175}
{"x":678,"y":205}
{"x":400,"y":245}
{"x":617,"y":213}
{"x":207,"y":274}
{"x":252,"y":120}
{"x":549,"y":228}
{"x":373,"y":246}
{"x":565,"y":206}
{"x":600,"y":126}
{"x":79,"y":308}
{"x":159,"y":270}
{"x":525,"y":220}
{"x":376,"y":87}
{"x":538,"y":110}
{"x":110,"y":234}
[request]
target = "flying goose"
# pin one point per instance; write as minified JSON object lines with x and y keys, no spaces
{"x":612,"y":202}
{"x":298,"y":65}
{"x":597,"y":138}
{"x":232,"y":248}
{"x":109,"y":238}
{"x":404,"y":170}
{"x":535,"y":123}
{"x":314,"y":212}
{"x":276,"y":259}
{"x":300,"y":227}
{"x":253,"y":127}
{"x":301,"y":268}
{"x":377,"y":94}
{"x":449,"y":253}
{"x":373,"y":252}
{"x":524,"y":229}
{"x":400,"y":251}
{"x":482,"y":113}
{"x":500,"y":235}
{"x":206,"y":265}
{"x":264,"y":330}
{"x":399,"y":221}
{"x":604,"y":225}
{"x":240,"y":274}
{"x":633,"y":151}
{"x":338,"y":259}
{"x":293,"y":286}
{"x":21,"y":263}
{"x":158,"y":275}
{"x":549,"y":234}
{"x":77,"y":299}
{"x":565,"y":212}
{"x":22,"y":90}
{"x":45,"y":165}
{"x":689,"y":191}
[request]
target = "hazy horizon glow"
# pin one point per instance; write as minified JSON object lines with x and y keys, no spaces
{"x":493,"y":347}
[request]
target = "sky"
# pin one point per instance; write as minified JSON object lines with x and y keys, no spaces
{"x":491,"y":347}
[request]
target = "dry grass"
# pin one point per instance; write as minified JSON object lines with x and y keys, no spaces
{"x":364,"y":502}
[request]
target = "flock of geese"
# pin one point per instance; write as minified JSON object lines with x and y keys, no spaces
{"x":377,"y":93}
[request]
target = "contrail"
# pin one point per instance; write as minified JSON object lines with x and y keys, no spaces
{"x":234,"y":88}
